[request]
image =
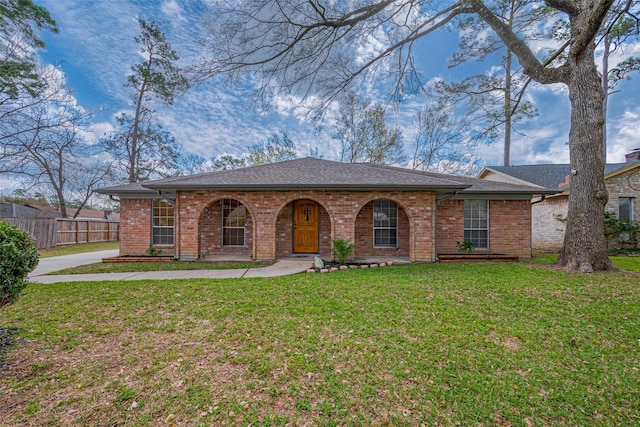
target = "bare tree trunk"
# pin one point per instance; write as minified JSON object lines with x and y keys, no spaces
{"x":507,"y":108}
{"x":585,"y":245}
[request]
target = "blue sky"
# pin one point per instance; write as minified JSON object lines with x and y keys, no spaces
{"x":95,"y":49}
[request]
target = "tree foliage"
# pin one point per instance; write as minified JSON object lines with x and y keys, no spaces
{"x":276,"y":148}
{"x":20,"y":24}
{"x":443,"y":140}
{"x":228,"y":162}
{"x":364,"y":135}
{"x":142,"y":150}
{"x":140,"y":146}
{"x":496,"y":98}
{"x":44,"y":149}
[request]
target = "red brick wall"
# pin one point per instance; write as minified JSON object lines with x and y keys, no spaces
{"x":341,"y":208}
{"x":450,"y":227}
{"x":364,"y":234}
{"x":343,"y":214}
{"x":135,"y":226}
{"x":211,"y":233}
{"x":509,"y":227}
{"x":284,"y":232}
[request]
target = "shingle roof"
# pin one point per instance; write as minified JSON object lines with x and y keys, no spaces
{"x":135,"y":188}
{"x":319,"y":174}
{"x":308,"y":173}
{"x":551,"y":176}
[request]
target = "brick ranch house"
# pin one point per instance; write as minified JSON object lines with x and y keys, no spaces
{"x":621,"y":179}
{"x":298,"y":206}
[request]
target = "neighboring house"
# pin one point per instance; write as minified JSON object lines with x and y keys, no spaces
{"x":14,"y":210}
{"x":621,"y":179}
{"x":298,"y":206}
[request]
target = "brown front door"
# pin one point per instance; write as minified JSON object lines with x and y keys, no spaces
{"x":305,"y":227}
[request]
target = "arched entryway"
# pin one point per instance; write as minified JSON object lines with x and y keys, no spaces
{"x":225,"y":229}
{"x":303,"y":226}
{"x":382,"y":228}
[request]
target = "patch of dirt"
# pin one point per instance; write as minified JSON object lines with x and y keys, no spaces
{"x":507,"y":341}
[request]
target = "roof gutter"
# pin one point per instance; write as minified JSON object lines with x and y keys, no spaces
{"x":448,"y":196}
{"x":168,"y":200}
{"x":350,"y":187}
{"x":542,"y":197}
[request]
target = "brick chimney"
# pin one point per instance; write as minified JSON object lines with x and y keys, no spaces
{"x":633,"y":156}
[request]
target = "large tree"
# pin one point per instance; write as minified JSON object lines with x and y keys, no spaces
{"x":140,"y":145}
{"x":49,"y":154}
{"x":321,"y":48}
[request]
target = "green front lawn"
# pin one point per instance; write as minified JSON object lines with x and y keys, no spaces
{"x":450,"y":344}
{"x":629,"y":262}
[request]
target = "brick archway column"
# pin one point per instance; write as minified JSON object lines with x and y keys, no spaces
{"x":422,"y":219}
{"x":265,"y":233}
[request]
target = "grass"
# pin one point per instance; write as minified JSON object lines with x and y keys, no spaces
{"x":127,"y":267}
{"x":626,"y":262}
{"x":450,"y":344}
{"x":76,"y":249}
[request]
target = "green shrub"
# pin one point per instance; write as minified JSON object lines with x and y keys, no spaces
{"x":153,"y":251}
{"x":18,"y":257}
{"x":465,"y":246}
{"x":342,"y":249}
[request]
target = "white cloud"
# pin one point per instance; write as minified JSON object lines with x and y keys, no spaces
{"x":173,"y":10}
{"x":624,"y":136}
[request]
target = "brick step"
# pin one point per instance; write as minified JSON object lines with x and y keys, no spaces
{"x":477,"y":258}
{"x":160,"y":258}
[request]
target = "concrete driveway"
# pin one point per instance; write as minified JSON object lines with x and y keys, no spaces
{"x":55,"y":263}
{"x":48,"y":265}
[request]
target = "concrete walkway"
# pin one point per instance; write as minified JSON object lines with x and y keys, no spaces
{"x":49,"y":265}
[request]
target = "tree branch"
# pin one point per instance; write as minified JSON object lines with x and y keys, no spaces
{"x":530,"y":64}
{"x":586,"y":36}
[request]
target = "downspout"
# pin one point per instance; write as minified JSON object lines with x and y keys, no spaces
{"x":542,"y":197}
{"x":454,"y":194}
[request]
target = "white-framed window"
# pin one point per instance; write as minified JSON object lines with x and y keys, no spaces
{"x":234,"y":218}
{"x":385,"y":224}
{"x":476,"y":223}
{"x":162,"y":223}
{"x":625,"y":208}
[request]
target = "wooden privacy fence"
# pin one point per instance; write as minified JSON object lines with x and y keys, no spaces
{"x":75,"y":231}
{"x":50,"y":232}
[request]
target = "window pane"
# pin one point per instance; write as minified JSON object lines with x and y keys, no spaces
{"x":625,"y":208}
{"x":476,"y":223}
{"x":234,"y":218}
{"x":385,"y":223}
{"x":162,"y":223}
